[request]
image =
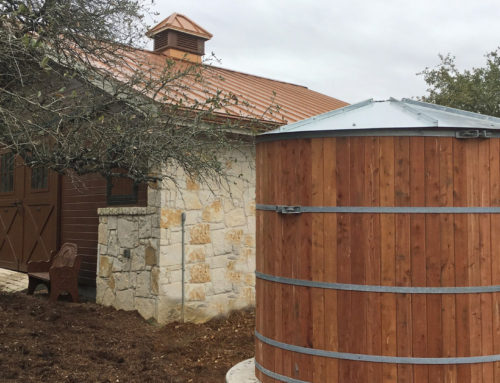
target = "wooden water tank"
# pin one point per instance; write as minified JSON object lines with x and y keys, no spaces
{"x":378,"y":254}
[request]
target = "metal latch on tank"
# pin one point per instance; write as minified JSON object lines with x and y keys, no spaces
{"x":473,"y":133}
{"x":288,"y":209}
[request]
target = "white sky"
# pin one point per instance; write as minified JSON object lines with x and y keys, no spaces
{"x":351,"y":50}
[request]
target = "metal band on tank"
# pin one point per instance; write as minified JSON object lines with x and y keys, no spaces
{"x":376,"y":358}
{"x":383,"y":132}
{"x":274,"y":375}
{"x":377,"y":288}
{"x":381,"y":209}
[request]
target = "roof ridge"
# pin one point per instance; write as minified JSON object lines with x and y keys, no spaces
{"x":450,"y":109}
{"x":419,"y":115}
{"x":297,"y":102}
{"x":258,"y":76}
{"x":163,"y":54}
{"x":325,"y":115}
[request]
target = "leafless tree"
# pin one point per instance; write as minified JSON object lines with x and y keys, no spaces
{"x":75,"y":95}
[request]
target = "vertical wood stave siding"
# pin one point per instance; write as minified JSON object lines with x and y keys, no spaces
{"x":80,"y":198}
{"x":422,"y":250}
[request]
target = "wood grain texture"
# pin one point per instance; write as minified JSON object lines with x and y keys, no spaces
{"x":379,"y":249}
{"x":80,"y":198}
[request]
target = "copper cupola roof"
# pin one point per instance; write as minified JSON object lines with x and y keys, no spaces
{"x":180,"y":23}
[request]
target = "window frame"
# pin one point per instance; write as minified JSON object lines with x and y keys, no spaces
{"x":46,"y":176}
{"x":121,"y":199}
{"x":12,"y":173}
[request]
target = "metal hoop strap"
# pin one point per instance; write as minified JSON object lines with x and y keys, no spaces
{"x":376,"y":358}
{"x":274,"y":375}
{"x":283,"y":209}
{"x":377,"y":288}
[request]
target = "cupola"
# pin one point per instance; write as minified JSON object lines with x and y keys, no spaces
{"x":179,"y":37}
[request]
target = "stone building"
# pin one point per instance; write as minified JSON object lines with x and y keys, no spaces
{"x":133,"y":251}
{"x":141,"y":248}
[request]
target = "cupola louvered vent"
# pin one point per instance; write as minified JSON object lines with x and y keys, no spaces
{"x":187,"y":42}
{"x":181,"y":41}
{"x":180,"y":37}
{"x":161,"y":40}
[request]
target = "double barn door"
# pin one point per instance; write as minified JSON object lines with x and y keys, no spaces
{"x":28,"y":213}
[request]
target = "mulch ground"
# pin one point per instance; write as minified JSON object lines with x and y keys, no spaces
{"x":85,"y":342}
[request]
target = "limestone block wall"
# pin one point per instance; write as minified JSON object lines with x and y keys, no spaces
{"x":219,"y":247}
{"x":127,"y":268}
{"x":219,"y":242}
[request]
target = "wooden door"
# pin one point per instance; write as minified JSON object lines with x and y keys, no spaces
{"x":28,"y":213}
{"x":11,"y":211}
{"x":40,"y":215}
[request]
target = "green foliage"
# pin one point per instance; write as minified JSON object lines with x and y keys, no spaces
{"x":476,"y":90}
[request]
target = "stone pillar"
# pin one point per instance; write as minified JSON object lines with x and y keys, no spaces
{"x":127,"y":269}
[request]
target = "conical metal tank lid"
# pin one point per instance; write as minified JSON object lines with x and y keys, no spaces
{"x":391,"y":118}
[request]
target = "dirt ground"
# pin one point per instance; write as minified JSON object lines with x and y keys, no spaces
{"x":85,"y":342}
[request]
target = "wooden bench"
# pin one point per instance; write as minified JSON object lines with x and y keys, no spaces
{"x":60,"y":274}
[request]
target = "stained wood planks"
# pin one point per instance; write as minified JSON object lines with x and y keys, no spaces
{"x":319,"y":373}
{"x":331,"y":314}
{"x":433,"y":256}
{"x":418,"y":261}
{"x":447,"y":250}
{"x":373,"y":257}
{"x":434,"y":250}
{"x":485,"y":258}
{"x":461,"y":259}
{"x":494,"y":162}
{"x":388,"y":258}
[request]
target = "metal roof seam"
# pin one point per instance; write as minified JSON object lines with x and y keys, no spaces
{"x":261,"y":105}
{"x":325,"y":115}
{"x":254,"y":92}
{"x":392,"y":115}
{"x":452,"y":110}
{"x":284,"y":88}
{"x":289,"y":87}
{"x":199,"y":93}
{"x":260,"y":77}
{"x":266,"y":91}
{"x":419,"y":115}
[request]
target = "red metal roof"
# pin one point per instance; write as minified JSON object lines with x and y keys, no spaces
{"x":180,"y":23}
{"x":255,"y":94}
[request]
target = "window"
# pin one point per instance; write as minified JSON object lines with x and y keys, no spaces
{"x":39,"y":178}
{"x":121,"y":191}
{"x":6,"y":173}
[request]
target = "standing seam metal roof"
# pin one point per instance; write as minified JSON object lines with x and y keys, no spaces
{"x":255,"y":94}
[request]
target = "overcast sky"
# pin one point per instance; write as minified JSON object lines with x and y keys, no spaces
{"x":351,"y":50}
